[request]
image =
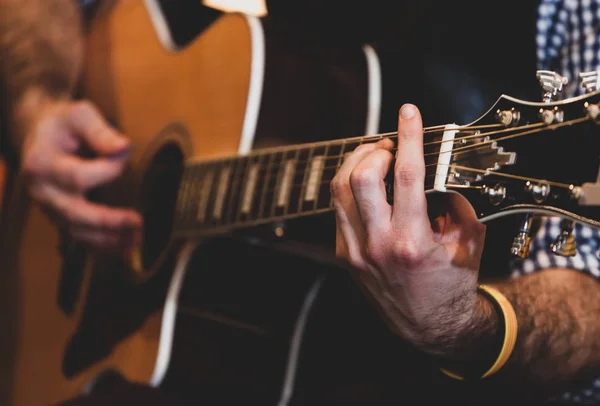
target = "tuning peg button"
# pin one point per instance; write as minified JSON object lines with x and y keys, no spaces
{"x":589,"y":81}
{"x":565,"y":245}
{"x":551,"y":82}
{"x":520,"y":245}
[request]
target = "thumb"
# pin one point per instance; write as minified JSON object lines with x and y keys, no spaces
{"x":85,"y":119}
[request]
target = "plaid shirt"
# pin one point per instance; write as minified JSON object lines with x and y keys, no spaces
{"x":568,"y":42}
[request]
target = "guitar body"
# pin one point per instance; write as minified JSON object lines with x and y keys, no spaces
{"x":279,"y":325}
{"x":242,"y":83}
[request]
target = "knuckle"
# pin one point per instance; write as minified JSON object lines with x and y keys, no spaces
{"x":79,"y":180}
{"x":406,"y":174}
{"x":338,"y":187}
{"x":408,"y":253}
{"x":88,"y":115}
{"x":362,"y":177}
{"x":82,"y":108}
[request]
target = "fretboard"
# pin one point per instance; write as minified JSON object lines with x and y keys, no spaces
{"x":263,"y":186}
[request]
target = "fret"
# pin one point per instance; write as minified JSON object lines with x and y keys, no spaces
{"x":334,"y":157}
{"x":283,"y":183}
{"x":188,"y":196}
{"x":204,"y":186}
{"x":279,"y":183}
{"x":267,"y":176}
{"x":181,"y":208}
{"x":352,"y":145}
{"x":271,"y":185}
{"x":191,"y":197}
{"x":216,"y":169}
{"x":222,"y":188}
{"x":248,"y":188}
{"x":236,"y":186}
{"x":342,"y":155}
{"x":268,"y":185}
{"x":287,"y":178}
{"x":306,"y":174}
{"x":312,"y":178}
{"x":326,"y":169}
{"x":340,"y":158}
{"x":261,"y":174}
{"x":293,"y":206}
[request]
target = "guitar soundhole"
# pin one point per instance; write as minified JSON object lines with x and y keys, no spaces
{"x":158,"y":197}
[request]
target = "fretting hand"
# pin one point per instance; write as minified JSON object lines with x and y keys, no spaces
{"x":422,"y":274}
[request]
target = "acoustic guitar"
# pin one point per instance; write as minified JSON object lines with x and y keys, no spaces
{"x":299,"y":331}
{"x":238,"y":84}
{"x":189,"y":314}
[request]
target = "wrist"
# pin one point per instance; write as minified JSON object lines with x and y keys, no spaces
{"x":26,"y":112}
{"x":463,"y":330}
{"x":490,"y":354}
{"x":482,"y":334}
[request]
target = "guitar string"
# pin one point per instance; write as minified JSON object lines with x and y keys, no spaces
{"x":435,"y":130}
{"x":316,"y":208}
{"x":488,"y":172}
{"x":274,"y":169}
{"x":304,"y":183}
{"x":300,"y":211}
{"x":182,"y":229}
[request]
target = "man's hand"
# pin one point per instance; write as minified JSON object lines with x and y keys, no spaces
{"x":58,"y":178}
{"x":422,"y":274}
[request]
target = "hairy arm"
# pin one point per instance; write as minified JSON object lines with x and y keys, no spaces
{"x":41,"y":50}
{"x":558,"y":342}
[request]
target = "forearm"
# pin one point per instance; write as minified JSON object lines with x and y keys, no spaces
{"x":41,"y":49}
{"x":558,"y":342}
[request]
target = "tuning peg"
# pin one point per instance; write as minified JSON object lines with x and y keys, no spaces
{"x":520,"y":245}
{"x":551,"y":82}
{"x":589,"y":81}
{"x":565,"y":245}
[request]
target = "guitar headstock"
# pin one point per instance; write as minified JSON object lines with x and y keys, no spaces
{"x":529,"y":157}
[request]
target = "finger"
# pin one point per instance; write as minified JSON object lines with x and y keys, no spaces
{"x":102,"y":239}
{"x":341,"y":247}
{"x":461,"y":211}
{"x":76,"y":174}
{"x":78,"y":211}
{"x":347,"y":216}
{"x":88,"y":122}
{"x":410,"y":207}
{"x":368,"y":187}
{"x":121,"y":241}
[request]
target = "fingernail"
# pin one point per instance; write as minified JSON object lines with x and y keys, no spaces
{"x":124,"y":153}
{"x":407,"y":111}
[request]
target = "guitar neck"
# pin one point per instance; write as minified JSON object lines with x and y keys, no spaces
{"x":265,"y":186}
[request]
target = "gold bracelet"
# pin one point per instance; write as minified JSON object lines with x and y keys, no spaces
{"x":510,"y":331}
